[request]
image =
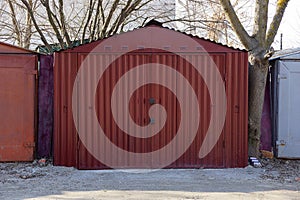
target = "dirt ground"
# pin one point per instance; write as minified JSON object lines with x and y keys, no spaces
{"x":277,"y":179}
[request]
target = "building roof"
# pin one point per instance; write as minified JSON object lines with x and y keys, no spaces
{"x":8,"y":48}
{"x":293,"y":53}
{"x":151,"y":23}
{"x":156,"y":23}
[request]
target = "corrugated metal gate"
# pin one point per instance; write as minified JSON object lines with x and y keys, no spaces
{"x":17,"y":103}
{"x":76,"y":138}
{"x":140,"y":103}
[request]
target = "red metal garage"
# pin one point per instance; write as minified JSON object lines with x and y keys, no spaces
{"x":151,"y":98}
{"x":17,"y":103}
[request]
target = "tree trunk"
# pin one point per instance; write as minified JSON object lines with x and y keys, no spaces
{"x":257,"y":81}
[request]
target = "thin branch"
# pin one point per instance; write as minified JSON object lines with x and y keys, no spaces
{"x":54,"y":26}
{"x":89,"y":16}
{"x":109,"y":17}
{"x":96,"y":21}
{"x":63,"y":23}
{"x":244,"y":37}
{"x":28,"y":30}
{"x":15,"y":23}
{"x":37,"y":26}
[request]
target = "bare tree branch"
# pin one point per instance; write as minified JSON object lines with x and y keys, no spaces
{"x":63,"y":23}
{"x":29,"y":8}
{"x":89,"y":16}
{"x":280,"y":8}
{"x":236,"y":24}
{"x":51,"y":21}
{"x":109,"y":17}
{"x":28,"y":29}
{"x":260,"y":20}
{"x":96,"y":21}
{"x":15,"y":23}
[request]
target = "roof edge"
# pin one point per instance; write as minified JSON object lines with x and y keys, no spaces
{"x":284,"y":53}
{"x":155,"y":23}
{"x":21,"y":49}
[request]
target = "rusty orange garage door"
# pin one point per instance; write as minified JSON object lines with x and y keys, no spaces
{"x":17,"y":100}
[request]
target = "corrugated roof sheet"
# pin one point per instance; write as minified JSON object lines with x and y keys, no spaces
{"x":285,"y":53}
{"x":150,"y":23}
{"x":196,"y":36}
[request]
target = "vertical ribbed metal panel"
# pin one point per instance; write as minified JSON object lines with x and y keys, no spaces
{"x":236,"y":128}
{"x":65,"y":135}
{"x":229,"y":151}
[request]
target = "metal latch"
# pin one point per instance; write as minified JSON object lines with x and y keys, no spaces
{"x":280,"y":143}
{"x":152,"y":101}
{"x":282,"y":76}
{"x":29,"y":145}
{"x":152,"y":120}
{"x":33,"y":72}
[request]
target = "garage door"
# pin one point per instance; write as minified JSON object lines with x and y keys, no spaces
{"x":17,"y":94}
{"x":139,"y":109}
{"x":288,"y":139}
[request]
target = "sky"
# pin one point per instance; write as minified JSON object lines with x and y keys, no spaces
{"x":290,"y":27}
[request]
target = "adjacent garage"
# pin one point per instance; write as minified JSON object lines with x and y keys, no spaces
{"x":285,"y":98}
{"x":18,"y":72}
